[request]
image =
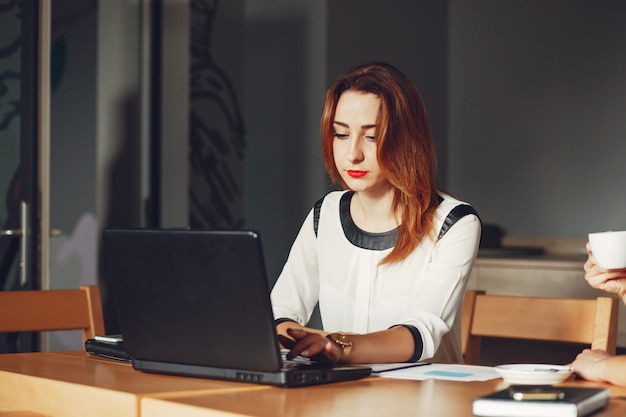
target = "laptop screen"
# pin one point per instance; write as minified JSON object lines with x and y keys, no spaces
{"x":192,"y":296}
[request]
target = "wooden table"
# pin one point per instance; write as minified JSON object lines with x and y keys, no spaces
{"x":369,"y":397}
{"x":78,"y":384}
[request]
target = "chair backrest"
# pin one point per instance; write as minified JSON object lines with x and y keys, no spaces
{"x":579,"y":321}
{"x":48,"y":310}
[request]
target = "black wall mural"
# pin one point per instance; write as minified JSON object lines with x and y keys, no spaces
{"x":10,"y":74}
{"x":10,"y":45}
{"x":216,"y":132}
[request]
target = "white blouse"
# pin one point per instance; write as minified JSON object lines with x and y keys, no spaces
{"x":339,"y":267}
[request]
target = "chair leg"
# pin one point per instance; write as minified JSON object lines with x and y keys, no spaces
{"x":605,"y":334}
{"x":472,"y":352}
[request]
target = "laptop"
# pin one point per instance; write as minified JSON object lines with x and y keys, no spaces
{"x":196,"y":303}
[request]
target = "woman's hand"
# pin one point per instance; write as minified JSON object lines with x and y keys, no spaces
{"x":588,"y":364}
{"x":312,"y":345}
{"x":598,"y":365}
{"x":611,"y":281}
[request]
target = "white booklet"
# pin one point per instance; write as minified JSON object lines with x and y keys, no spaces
{"x":541,"y":400}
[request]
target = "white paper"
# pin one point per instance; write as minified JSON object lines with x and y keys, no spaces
{"x":449,"y":372}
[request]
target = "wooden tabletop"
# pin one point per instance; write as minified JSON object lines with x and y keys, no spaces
{"x":370,"y":397}
{"x":78,"y":384}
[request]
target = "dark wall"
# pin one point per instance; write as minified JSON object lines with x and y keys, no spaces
{"x":537,"y":133}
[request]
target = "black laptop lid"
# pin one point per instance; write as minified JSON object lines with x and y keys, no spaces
{"x":189,"y":296}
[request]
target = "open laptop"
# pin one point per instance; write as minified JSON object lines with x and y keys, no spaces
{"x":196,"y":303}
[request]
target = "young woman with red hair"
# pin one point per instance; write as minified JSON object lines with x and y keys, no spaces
{"x":387,"y":258}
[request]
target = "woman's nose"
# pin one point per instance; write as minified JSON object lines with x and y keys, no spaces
{"x":355,"y":152}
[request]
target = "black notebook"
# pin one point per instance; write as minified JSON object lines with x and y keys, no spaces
{"x":541,"y":400}
{"x":106,"y":349}
{"x":196,"y":303}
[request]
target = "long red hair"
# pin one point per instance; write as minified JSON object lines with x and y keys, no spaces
{"x":405,"y":148}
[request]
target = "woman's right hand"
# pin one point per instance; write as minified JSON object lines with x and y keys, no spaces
{"x":611,"y":281}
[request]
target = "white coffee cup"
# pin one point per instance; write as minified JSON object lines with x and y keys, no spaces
{"x":609,"y":249}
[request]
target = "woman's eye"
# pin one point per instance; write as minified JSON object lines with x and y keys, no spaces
{"x":341,"y":135}
{"x":370,"y":138}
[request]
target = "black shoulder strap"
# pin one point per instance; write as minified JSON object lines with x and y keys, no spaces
{"x":455,"y":215}
{"x":316,"y":214}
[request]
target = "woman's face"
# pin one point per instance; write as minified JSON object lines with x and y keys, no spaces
{"x":355,"y":142}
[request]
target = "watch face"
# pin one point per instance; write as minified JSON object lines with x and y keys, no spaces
{"x":341,"y":339}
{"x":344,"y":343}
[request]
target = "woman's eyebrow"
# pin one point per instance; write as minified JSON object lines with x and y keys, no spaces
{"x":346,"y":125}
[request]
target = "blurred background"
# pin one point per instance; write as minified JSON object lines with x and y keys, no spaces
{"x":205,"y":114}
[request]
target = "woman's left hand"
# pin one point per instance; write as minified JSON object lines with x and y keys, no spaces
{"x":588,"y":364}
{"x":315,"y":346}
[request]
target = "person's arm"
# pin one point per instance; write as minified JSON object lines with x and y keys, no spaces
{"x":296,"y":290}
{"x":611,"y":281}
{"x":392,"y":345}
{"x":436,"y":306}
{"x":598,"y":365}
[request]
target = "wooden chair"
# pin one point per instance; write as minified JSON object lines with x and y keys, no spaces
{"x":48,"y":310}
{"x":579,"y":321}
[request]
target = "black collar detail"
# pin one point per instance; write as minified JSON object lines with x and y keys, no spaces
{"x":359,"y":237}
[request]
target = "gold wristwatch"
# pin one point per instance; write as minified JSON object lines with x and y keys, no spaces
{"x":343,"y":342}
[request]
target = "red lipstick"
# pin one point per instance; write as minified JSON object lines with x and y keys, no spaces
{"x":356,"y":174}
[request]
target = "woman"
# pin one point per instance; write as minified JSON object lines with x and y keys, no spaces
{"x":389,"y":257}
{"x":597,"y":364}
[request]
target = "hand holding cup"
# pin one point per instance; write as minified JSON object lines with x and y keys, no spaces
{"x":609,"y":249}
